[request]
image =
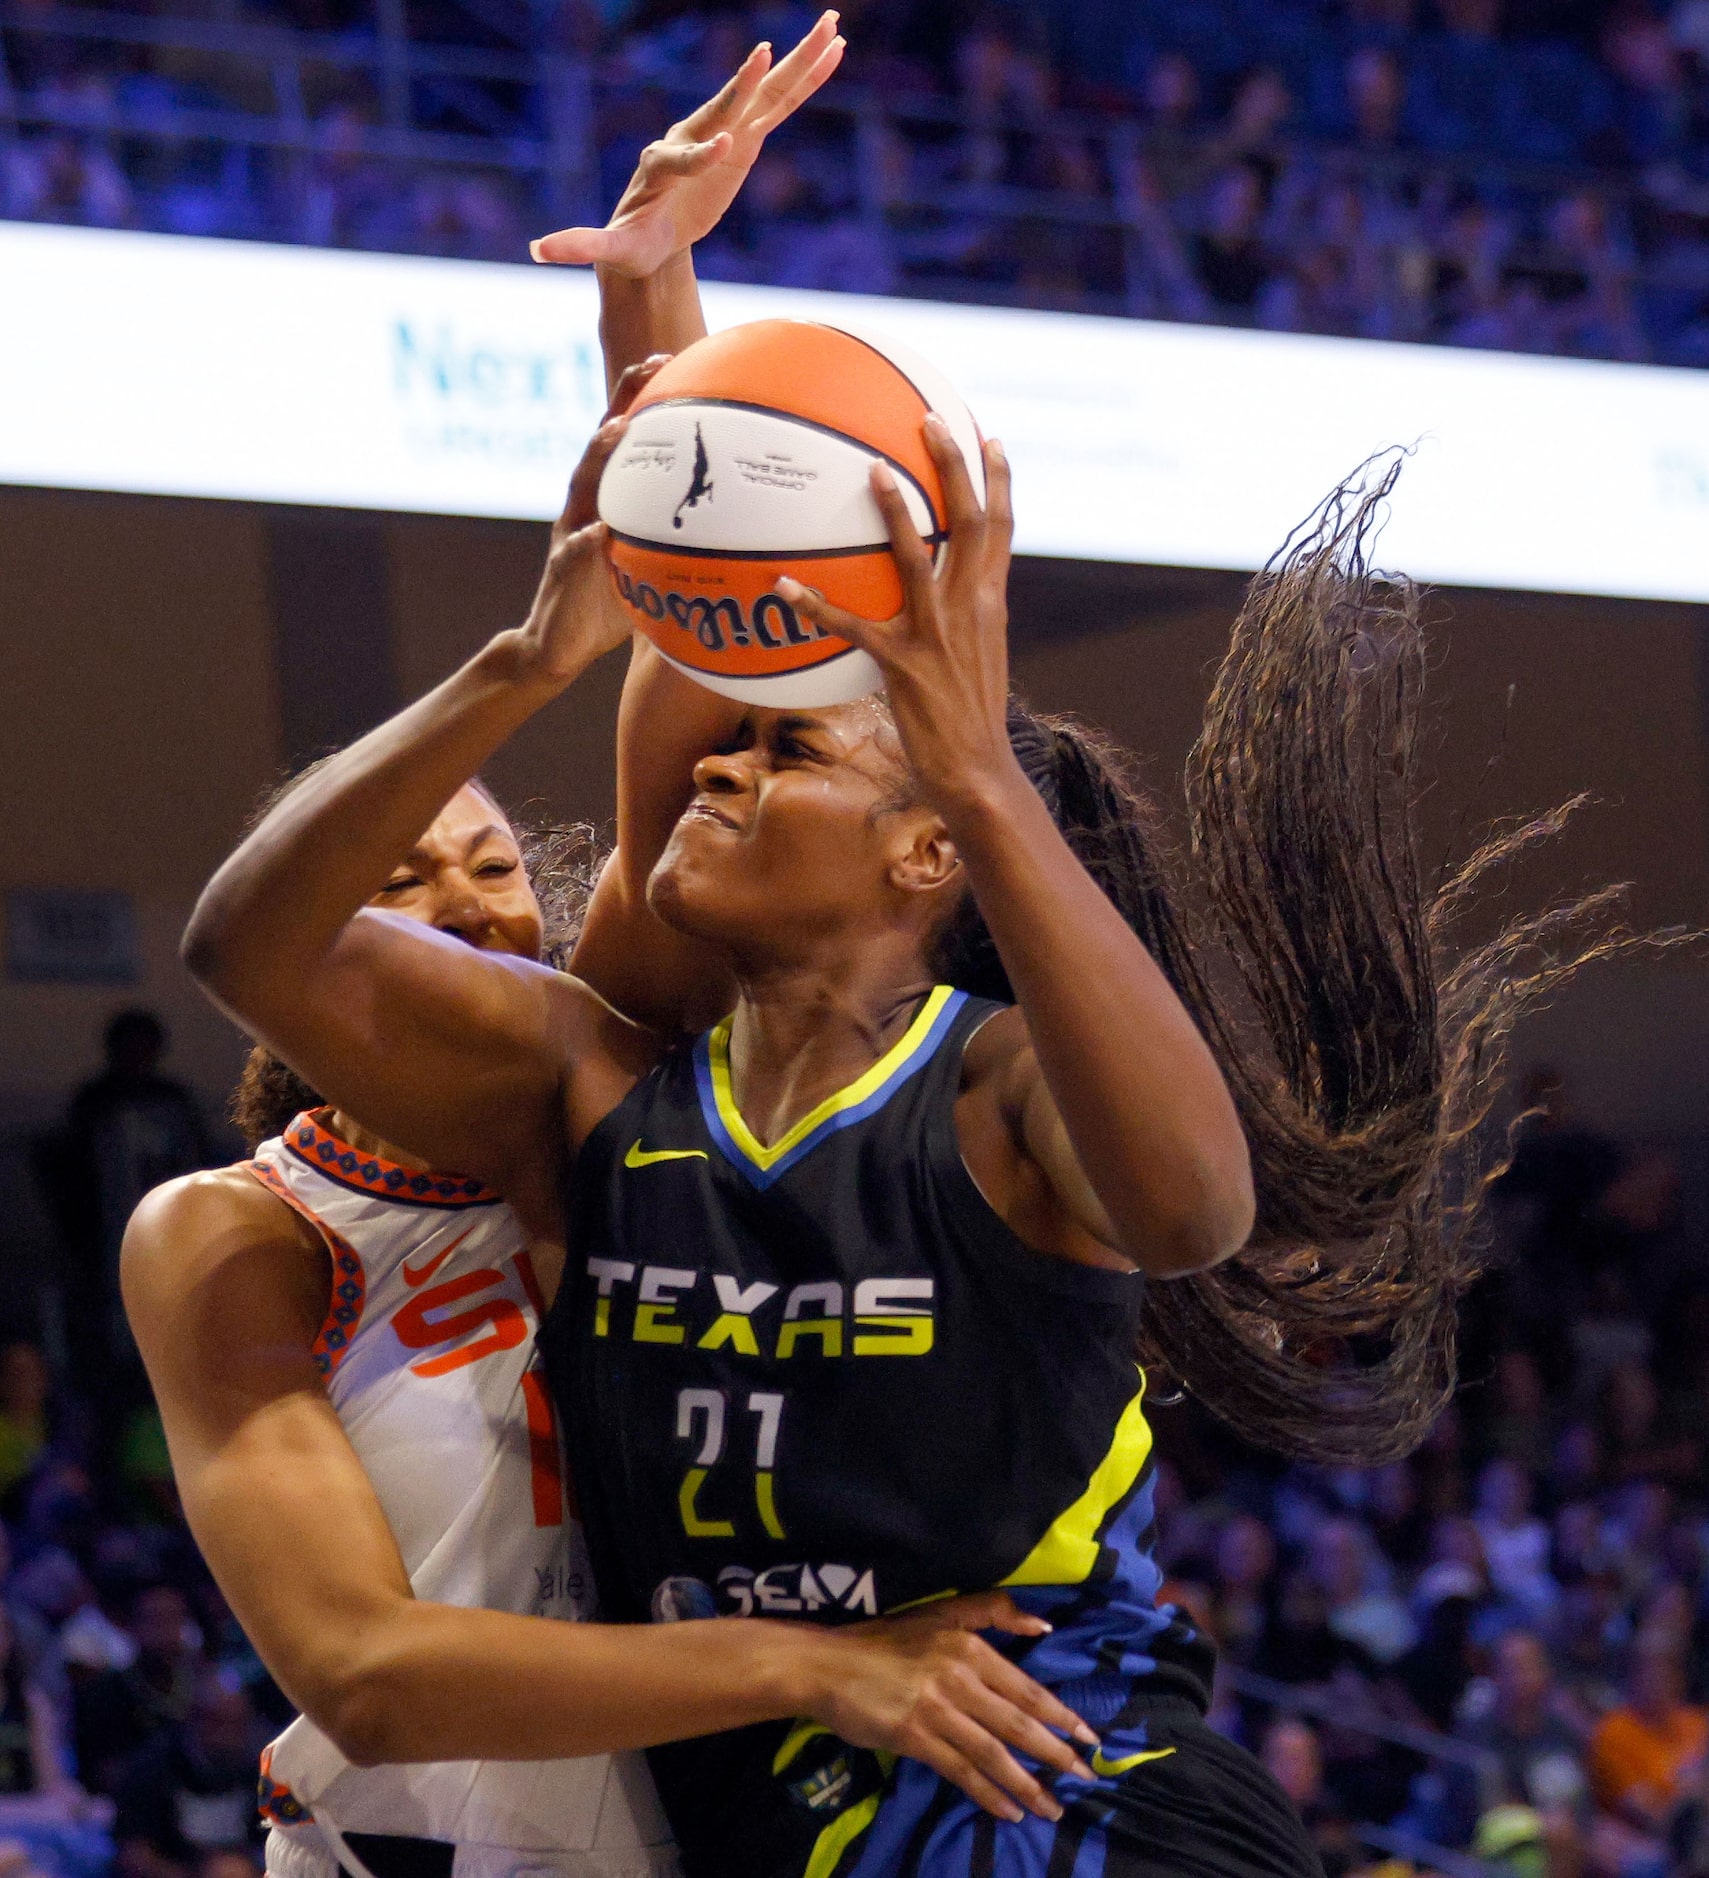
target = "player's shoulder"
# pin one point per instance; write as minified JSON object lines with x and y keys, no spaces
{"x":217,"y":1206}
{"x":998,"y":1052}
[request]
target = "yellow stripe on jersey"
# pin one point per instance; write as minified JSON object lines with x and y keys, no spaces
{"x":862,"y":1089}
{"x":1068,"y":1552}
{"x":794,"y":1742}
{"x":837,"y":1837}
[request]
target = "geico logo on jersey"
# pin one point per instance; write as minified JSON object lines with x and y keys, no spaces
{"x":713,"y":1311}
{"x":778,"y":1590}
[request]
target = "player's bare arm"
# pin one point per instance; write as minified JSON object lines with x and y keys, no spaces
{"x":460,"y":1056}
{"x":226,"y":1289}
{"x":1106,"y":1088}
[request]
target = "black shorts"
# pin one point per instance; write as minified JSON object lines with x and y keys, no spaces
{"x":1173,"y":1800}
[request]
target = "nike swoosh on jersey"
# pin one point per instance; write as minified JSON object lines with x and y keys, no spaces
{"x":1110,"y":1770}
{"x":422,"y":1273}
{"x":639,"y":1156}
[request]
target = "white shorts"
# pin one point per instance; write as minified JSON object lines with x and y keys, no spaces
{"x":305,"y":1852}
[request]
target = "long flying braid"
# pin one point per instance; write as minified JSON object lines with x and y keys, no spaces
{"x":1362,"y":1047}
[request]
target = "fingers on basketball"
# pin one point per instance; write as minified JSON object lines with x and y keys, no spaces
{"x":582,"y":504}
{"x":631,"y":382}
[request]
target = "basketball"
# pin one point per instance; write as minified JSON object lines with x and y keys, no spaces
{"x":747,"y":457}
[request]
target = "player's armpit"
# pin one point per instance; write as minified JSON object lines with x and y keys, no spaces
{"x":1016,"y":1147}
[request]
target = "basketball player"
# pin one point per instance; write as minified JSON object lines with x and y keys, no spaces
{"x":342,"y":1342}
{"x":400,"y":1387}
{"x":856,"y":1158}
{"x":422,"y":1348}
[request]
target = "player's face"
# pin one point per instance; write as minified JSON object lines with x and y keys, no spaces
{"x":799,"y":834}
{"x":465,"y":877}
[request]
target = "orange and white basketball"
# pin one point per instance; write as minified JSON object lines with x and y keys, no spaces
{"x":747,"y":457}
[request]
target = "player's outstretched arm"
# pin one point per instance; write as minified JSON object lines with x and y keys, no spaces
{"x":681,"y":188}
{"x":226,"y":1298}
{"x":456,"y":1054}
{"x":1102,"y":1079}
{"x":649,"y":309}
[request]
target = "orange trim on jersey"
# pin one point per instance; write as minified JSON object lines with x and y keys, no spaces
{"x":545,"y":1470}
{"x":316,"y":1146}
{"x":274,"y":1801}
{"x":349,"y":1278}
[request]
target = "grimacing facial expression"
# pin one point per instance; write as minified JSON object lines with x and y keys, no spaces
{"x":801,"y":831}
{"x":465,"y":878}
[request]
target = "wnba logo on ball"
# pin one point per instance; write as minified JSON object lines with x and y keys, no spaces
{"x":721,"y":623}
{"x":750,"y":455}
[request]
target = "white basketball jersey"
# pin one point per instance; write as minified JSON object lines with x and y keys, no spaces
{"x":429,"y":1359}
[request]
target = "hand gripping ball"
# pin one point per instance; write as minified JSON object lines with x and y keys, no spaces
{"x":747,"y":457}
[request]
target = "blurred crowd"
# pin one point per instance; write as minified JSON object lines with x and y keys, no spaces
{"x":1528,"y":175}
{"x":1495,"y":1652}
{"x":132,"y":1708}
{"x":1500,"y":1646}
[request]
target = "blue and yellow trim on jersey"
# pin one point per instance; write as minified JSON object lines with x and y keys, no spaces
{"x":763,"y":1165}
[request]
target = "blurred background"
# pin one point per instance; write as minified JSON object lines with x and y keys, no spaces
{"x":1493,"y":1657}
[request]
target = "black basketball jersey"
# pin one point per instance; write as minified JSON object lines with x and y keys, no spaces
{"x":822,"y":1379}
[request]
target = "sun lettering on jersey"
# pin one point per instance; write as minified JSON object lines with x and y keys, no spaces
{"x":421,"y":1323}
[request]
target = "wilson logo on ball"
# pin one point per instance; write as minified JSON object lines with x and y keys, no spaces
{"x":747,"y":457}
{"x":719,"y":624}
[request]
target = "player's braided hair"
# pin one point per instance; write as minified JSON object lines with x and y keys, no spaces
{"x":563,"y":864}
{"x":1362,"y":1045}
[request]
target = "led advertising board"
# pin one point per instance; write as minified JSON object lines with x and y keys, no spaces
{"x":175,"y":366}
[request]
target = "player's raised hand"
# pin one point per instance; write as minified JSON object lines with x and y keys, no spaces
{"x":945,"y":656}
{"x":684,"y":182}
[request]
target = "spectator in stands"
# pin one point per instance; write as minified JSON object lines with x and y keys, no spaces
{"x":1293,"y":1754}
{"x":1359,"y":1606}
{"x":64,"y":178}
{"x":1245,"y":1587}
{"x":34,"y":1642}
{"x":1376,"y":98}
{"x":126,"y":1130}
{"x":462,"y":215}
{"x":1517,"y":1428}
{"x":1440,"y":1666}
{"x":343,"y":198}
{"x":1515,"y":1542}
{"x":1252,"y":132}
{"x":1589,"y":1638}
{"x":1230,"y":258}
{"x":1170,"y":99}
{"x":25,"y":1387}
{"x":190,"y":1793}
{"x":1457,"y":77}
{"x":1533,"y":1753}
{"x":122,"y":1711}
{"x":1641,"y":1753}
{"x":42,"y":1807}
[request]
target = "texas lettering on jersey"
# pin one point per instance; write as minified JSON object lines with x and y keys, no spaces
{"x":670,"y":1304}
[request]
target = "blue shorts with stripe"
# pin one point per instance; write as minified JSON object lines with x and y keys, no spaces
{"x":1177,"y":1801}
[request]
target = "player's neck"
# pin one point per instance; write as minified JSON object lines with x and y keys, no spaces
{"x":801,"y":1035}
{"x":365,"y":1141}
